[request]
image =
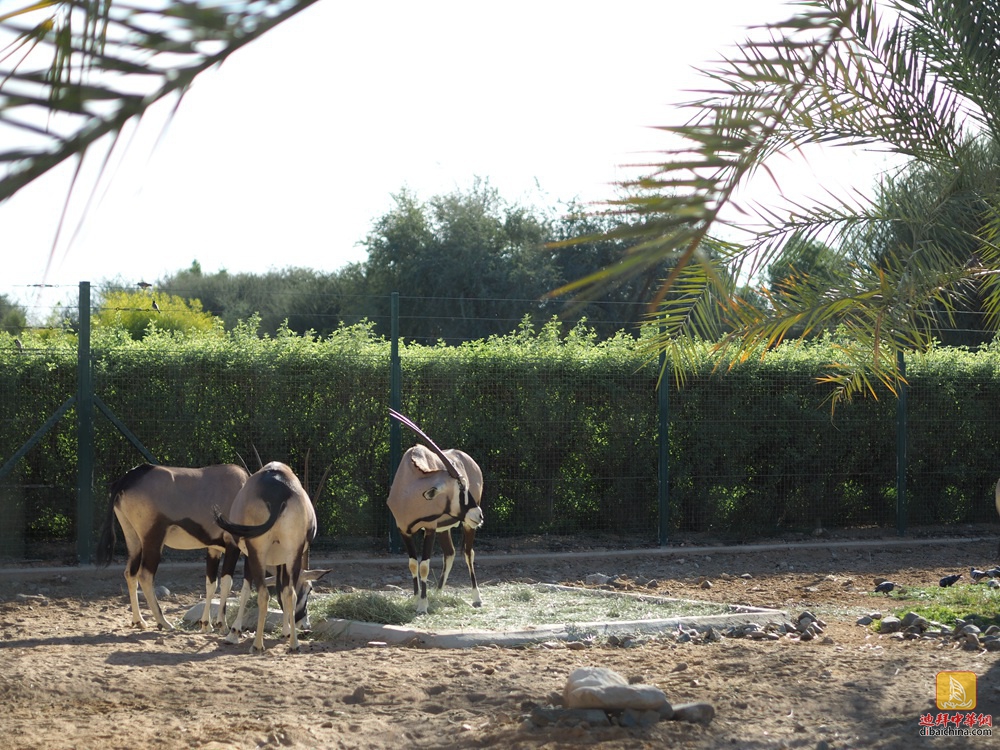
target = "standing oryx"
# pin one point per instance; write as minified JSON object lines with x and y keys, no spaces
{"x":434,"y":491}
{"x":169,"y":506}
{"x":274,"y":523}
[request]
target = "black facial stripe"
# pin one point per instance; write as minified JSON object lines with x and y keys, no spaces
{"x":436,"y":520}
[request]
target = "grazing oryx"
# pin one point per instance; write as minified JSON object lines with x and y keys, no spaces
{"x":434,"y":491}
{"x":168,"y":506}
{"x":274,"y":523}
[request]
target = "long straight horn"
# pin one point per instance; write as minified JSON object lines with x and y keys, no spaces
{"x":403,"y":419}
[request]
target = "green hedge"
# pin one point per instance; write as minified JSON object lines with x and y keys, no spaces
{"x":565,"y":429}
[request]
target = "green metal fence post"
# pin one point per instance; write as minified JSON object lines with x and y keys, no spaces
{"x":663,"y":465}
{"x":901,"y":446}
{"x":395,"y":401}
{"x":84,"y":434}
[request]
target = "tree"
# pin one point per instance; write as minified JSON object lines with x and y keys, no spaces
{"x":138,"y":311}
{"x":472,"y":258}
{"x":303,"y":299}
{"x":915,"y":78}
{"x":13,"y":317}
{"x":946,"y":207}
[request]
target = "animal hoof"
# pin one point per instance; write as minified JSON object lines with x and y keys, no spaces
{"x":477,"y":604}
{"x":233,"y":638}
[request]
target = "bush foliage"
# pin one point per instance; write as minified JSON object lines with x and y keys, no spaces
{"x":565,"y":428}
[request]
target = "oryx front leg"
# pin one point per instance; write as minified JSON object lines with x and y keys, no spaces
{"x":468,"y":536}
{"x":448,"y":550}
{"x":424,"y":570}
{"x":414,"y":566}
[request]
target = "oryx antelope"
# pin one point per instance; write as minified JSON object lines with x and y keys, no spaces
{"x":274,"y":523}
{"x":170,"y":506}
{"x":434,"y":491}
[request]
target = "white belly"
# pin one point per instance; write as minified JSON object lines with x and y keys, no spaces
{"x":177,"y":538}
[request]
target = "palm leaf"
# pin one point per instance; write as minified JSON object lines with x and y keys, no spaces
{"x":920,"y":81}
{"x":73,"y":72}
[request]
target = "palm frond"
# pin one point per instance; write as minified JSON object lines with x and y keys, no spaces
{"x":916,"y":78}
{"x":75,"y":71}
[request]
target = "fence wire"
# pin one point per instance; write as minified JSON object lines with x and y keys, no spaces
{"x":567,"y":447}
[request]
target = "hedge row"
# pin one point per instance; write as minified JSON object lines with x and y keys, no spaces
{"x":566,"y":430}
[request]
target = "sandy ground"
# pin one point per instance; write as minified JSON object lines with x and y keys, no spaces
{"x":74,"y":674}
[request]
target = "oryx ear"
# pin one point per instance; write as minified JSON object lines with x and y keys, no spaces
{"x":312,"y":575}
{"x":425,"y":461}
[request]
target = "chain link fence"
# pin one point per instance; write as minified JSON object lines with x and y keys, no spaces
{"x":569,"y":446}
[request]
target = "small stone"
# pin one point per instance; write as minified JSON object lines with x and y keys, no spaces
{"x":358,"y":696}
{"x":598,"y":687}
{"x":864,"y":620}
{"x":695,"y":713}
{"x":913,"y":620}
{"x":706,"y":584}
{"x":890,"y":625}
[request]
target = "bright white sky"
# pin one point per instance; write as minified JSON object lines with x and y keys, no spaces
{"x":285,"y":155}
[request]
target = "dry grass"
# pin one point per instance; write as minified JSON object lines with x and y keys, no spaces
{"x":505,"y":606}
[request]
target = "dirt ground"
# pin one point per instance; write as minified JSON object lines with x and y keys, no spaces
{"x":74,"y":674}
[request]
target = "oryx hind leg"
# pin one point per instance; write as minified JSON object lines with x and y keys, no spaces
{"x":132,"y":582}
{"x":236,"y":631}
{"x":263,"y":595}
{"x":288,"y":595}
{"x":232,"y":556}
{"x":212,"y":559}
{"x":147,"y":566}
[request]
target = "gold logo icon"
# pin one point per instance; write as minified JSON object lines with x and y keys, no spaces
{"x":956,"y":691}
